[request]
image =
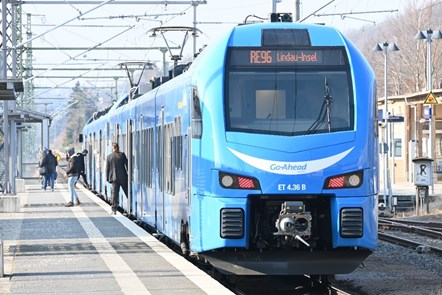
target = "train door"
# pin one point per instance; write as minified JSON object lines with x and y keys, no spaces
{"x":130,"y":157}
{"x":90,"y":161}
{"x":140,"y":154}
{"x":194,"y":131}
{"x":116,"y":138}
{"x":106,"y":151}
{"x":161,"y":173}
{"x":188,"y":157}
{"x":99,"y":158}
{"x":149,"y":168}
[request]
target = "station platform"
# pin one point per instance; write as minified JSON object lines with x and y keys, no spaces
{"x":52,"y":249}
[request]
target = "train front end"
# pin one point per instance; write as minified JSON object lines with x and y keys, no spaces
{"x":284,"y":168}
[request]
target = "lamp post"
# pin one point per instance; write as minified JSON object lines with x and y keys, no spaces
{"x":428,"y":36}
{"x":385,"y":47}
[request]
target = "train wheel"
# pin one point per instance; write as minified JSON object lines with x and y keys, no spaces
{"x":184,"y":238}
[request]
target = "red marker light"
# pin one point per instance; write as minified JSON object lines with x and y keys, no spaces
{"x":336,"y":182}
{"x":245,"y":182}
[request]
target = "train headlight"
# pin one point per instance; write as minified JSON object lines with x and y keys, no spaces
{"x":233,"y":181}
{"x":354,"y":180}
{"x":349,"y":180}
{"x":226,"y":180}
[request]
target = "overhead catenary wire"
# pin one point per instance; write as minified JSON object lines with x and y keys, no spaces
{"x":65,"y":82}
{"x":65,"y":24}
{"x":354,"y":12}
{"x":360,"y":19}
{"x":71,"y":5}
{"x":60,"y":25}
{"x":82,"y":53}
{"x":135,"y":16}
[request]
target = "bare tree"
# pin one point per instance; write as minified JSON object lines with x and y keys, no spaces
{"x":81,"y":106}
{"x":406,"y":67}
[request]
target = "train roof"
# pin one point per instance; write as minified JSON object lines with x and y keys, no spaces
{"x":251,"y":35}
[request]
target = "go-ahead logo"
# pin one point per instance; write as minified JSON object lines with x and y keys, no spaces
{"x":287,"y":167}
{"x":291,"y":168}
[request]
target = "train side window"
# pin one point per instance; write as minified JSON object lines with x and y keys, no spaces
{"x":117,"y":133}
{"x":146,"y":165}
{"x":197,"y":122}
{"x":170,"y":153}
{"x":178,"y":144}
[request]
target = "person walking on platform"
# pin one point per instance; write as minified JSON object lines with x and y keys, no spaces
{"x":50,"y":163}
{"x":41,"y":154}
{"x":82,"y":173}
{"x":72,"y":174}
{"x":116,"y":174}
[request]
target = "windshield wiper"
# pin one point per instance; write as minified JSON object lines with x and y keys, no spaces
{"x":328,"y":101}
{"x":324,"y":113}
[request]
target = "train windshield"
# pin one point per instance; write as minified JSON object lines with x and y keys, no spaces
{"x":268,"y":92}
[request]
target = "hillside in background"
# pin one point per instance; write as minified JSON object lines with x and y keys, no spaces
{"x":406,"y":68}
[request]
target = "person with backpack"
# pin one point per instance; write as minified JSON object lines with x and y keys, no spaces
{"x":72,"y":173}
{"x":82,"y":172}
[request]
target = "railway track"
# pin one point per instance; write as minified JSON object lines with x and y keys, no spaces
{"x":436,"y":226}
{"x":432,"y":230}
{"x":424,"y":237}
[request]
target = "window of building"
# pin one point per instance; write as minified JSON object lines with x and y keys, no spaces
{"x":397,"y":147}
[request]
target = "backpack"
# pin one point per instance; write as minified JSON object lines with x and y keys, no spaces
{"x":76,"y":164}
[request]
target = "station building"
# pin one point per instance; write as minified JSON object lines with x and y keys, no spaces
{"x":416,"y":119}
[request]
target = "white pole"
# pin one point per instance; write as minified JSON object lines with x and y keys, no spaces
{"x":274,"y":6}
{"x":296,"y":11}
{"x":387,"y":183}
{"x":430,"y":89}
{"x":393,"y":170}
{"x":194,"y":30}
{"x":384,"y":135}
{"x":2,"y":272}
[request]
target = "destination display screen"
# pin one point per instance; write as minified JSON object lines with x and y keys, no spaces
{"x":287,"y":57}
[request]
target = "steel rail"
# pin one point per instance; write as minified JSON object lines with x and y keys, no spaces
{"x":411,"y":229}
{"x":414,"y":222}
{"x":409,"y":243}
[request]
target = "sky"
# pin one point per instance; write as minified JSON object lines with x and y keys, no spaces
{"x":60,"y":26}
{"x":213,"y":18}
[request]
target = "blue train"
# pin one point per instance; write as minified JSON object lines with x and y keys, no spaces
{"x":260,"y":158}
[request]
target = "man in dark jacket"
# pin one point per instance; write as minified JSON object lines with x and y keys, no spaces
{"x":116,"y":174}
{"x":82,"y":173}
{"x":50,"y":163}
